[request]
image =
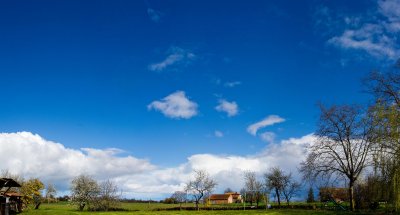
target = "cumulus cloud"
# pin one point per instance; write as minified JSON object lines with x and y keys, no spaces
{"x":269,"y":120}
{"x":231,"y":108}
{"x":175,"y":105}
{"x":376,"y":36}
{"x":175,"y":56}
{"x":218,"y":133}
{"x":33,"y":156}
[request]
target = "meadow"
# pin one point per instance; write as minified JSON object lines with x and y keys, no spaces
{"x":64,"y":208}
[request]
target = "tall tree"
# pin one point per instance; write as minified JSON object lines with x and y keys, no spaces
{"x":386,"y":114}
{"x":342,"y":147}
{"x":281,"y":184}
{"x":200,"y":186}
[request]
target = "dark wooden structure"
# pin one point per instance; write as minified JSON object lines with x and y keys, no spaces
{"x":10,"y":201}
{"x":337,"y":193}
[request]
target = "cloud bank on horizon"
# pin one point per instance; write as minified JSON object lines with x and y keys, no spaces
{"x":30,"y":155}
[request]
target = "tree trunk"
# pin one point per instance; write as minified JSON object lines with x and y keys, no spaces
{"x":257,"y":200}
{"x":197,"y":205}
{"x":351,"y":195}
{"x":396,"y":193}
{"x":278,"y":196}
{"x":37,"y":205}
{"x":81,"y":206}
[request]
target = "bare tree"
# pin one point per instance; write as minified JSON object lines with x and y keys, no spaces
{"x":180,"y":197}
{"x":290,"y":187}
{"x":108,"y":197}
{"x":253,"y":187}
{"x":385,"y":86}
{"x":343,"y":145}
{"x":274,"y":180}
{"x":200,"y":186}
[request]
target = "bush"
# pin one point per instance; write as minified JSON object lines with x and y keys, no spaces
{"x":374,"y":205}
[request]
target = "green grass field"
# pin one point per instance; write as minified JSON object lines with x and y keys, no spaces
{"x":149,"y":209}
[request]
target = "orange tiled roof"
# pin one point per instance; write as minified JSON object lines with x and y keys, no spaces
{"x":220,"y":196}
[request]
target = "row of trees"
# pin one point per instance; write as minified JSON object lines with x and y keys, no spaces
{"x":275,"y":181}
{"x":352,"y":138}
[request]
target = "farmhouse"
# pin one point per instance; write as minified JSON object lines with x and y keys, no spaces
{"x":236,"y":197}
{"x":226,"y":198}
{"x":10,"y":202}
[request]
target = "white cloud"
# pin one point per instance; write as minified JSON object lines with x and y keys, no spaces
{"x":390,"y":9}
{"x":33,"y":156}
{"x":175,"y":56}
{"x":366,"y":39}
{"x":376,"y":35}
{"x":231,"y":108}
{"x":175,"y":105}
{"x":154,"y":15}
{"x":270,"y":120}
{"x":232,"y":84}
{"x":218,"y":133}
{"x":268,"y":137}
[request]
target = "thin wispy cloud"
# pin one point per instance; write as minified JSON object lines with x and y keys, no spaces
{"x":268,"y":137}
{"x":175,"y":56}
{"x":230,"y":108}
{"x":378,"y":36}
{"x":218,"y":133}
{"x":268,"y":121}
{"x":154,"y":15}
{"x":232,"y":84}
{"x":175,"y":105}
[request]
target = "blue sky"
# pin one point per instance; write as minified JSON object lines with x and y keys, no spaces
{"x":163,"y":81}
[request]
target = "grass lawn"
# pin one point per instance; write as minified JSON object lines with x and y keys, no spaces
{"x":148,"y":209}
